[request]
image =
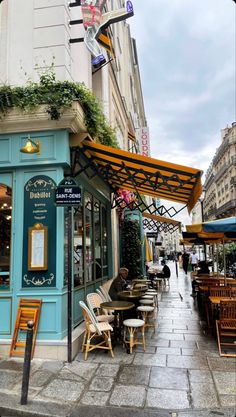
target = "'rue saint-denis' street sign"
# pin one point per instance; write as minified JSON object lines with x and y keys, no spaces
{"x":68,"y":193}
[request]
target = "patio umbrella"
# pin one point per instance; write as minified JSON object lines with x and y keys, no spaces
{"x":227,"y":225}
{"x":222,"y":230}
{"x":148,"y":254}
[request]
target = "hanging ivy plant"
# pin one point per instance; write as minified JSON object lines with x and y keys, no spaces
{"x":57,"y":96}
{"x":131,"y":248}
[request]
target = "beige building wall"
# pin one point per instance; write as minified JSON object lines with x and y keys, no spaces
{"x":220,"y":184}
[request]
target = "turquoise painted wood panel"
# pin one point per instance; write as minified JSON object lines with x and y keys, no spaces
{"x":5,"y":315}
{"x":54,"y":148}
{"x":49,"y":318}
{"x":78,"y":295}
{"x":5,"y":154}
{"x":6,"y":178}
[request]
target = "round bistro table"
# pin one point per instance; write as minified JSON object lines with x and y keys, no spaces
{"x":118,"y":307}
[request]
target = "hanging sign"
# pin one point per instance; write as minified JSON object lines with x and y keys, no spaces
{"x":68,"y":193}
{"x":152,"y":234}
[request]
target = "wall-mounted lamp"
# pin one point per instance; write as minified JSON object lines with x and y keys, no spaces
{"x":31,"y":146}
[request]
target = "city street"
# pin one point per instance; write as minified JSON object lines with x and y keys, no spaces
{"x":180,"y":374}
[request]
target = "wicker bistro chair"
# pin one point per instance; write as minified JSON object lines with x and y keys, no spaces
{"x":93,"y":330}
{"x":226,"y":328}
{"x":94,"y":302}
{"x":101,"y":295}
{"x":133,"y":326}
{"x":105,"y":293}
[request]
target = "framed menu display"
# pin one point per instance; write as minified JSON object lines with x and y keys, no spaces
{"x":38,"y":248}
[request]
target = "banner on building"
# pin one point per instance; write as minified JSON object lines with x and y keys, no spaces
{"x":144,"y":141}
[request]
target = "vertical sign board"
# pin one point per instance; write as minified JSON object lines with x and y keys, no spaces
{"x":39,"y":209}
{"x":144,"y":141}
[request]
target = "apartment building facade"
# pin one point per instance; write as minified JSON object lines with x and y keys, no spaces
{"x":220,"y":183}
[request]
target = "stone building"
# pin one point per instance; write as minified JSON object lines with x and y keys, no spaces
{"x":220,"y":183}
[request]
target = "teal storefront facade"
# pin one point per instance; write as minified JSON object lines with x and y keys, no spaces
{"x":27,"y":188}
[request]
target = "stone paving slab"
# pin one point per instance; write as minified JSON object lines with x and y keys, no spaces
{"x":175,"y":377}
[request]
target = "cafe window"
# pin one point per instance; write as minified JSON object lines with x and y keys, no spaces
{"x":5,"y":235}
{"x":78,"y":247}
{"x":89,"y":241}
{"x":97,"y":239}
{"x":89,"y":255}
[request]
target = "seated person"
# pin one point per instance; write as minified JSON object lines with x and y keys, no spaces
{"x":119,"y":284}
{"x":165,"y":273}
{"x":202,"y":270}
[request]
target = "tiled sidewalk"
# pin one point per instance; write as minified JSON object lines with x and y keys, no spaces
{"x":180,"y":372}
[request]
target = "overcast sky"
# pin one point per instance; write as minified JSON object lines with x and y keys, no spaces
{"x":186,"y":51}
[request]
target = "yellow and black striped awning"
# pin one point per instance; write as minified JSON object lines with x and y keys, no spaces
{"x":104,"y":39}
{"x":131,"y":136}
{"x":144,"y":175}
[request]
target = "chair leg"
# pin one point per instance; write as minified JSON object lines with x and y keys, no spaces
{"x":87,"y":346}
{"x":218,"y":337}
{"x":131,"y":342}
{"x":84,"y":341}
{"x":143,"y":338}
{"x":109,"y":343}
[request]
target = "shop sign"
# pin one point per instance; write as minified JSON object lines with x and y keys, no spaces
{"x":68,"y":193}
{"x":152,"y":234}
{"x":39,"y":209}
{"x":144,"y":141}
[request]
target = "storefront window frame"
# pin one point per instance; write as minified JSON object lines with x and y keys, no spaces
{"x":8,"y":273}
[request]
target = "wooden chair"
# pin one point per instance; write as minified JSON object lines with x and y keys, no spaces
{"x":94,"y":331}
{"x":28,"y":310}
{"x":226,"y":328}
{"x":220,"y":291}
{"x":94,"y":302}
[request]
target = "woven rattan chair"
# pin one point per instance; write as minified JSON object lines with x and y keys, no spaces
{"x":94,"y":331}
{"x":94,"y":302}
{"x":226,"y":328}
{"x":105,"y":293}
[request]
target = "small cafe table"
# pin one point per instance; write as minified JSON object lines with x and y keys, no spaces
{"x":117,"y":307}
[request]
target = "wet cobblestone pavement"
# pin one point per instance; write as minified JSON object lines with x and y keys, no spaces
{"x":179,"y":375}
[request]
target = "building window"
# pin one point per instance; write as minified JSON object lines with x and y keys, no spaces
{"x":89,"y":255}
{"x":5,"y":235}
{"x":90,"y":247}
{"x":78,"y":248}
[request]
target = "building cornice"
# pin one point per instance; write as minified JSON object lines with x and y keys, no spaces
{"x":16,"y":120}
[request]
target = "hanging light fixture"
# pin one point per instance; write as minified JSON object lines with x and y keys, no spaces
{"x":31,"y":146}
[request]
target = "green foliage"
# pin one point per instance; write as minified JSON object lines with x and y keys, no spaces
{"x":230,"y":256}
{"x":131,"y":248}
{"x":58,"y":96}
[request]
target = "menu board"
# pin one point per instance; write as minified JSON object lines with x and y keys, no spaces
{"x":38,"y":248}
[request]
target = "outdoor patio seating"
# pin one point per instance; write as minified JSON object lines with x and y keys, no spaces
{"x":146,"y":302}
{"x":94,"y":331}
{"x":133,"y":326}
{"x":226,"y":328}
{"x":94,"y":302}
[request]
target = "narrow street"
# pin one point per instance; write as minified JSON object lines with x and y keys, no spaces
{"x":179,"y":375}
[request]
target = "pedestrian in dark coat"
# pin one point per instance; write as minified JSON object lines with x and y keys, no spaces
{"x":185,"y":261}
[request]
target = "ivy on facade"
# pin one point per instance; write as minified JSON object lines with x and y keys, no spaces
{"x":58,"y":96}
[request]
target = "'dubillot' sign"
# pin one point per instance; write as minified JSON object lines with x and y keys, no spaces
{"x":68,"y":193}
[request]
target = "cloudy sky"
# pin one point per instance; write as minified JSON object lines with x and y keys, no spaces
{"x":186,"y":51}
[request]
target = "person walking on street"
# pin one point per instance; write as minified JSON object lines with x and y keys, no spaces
{"x":185,"y":261}
{"x":193,"y":260}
